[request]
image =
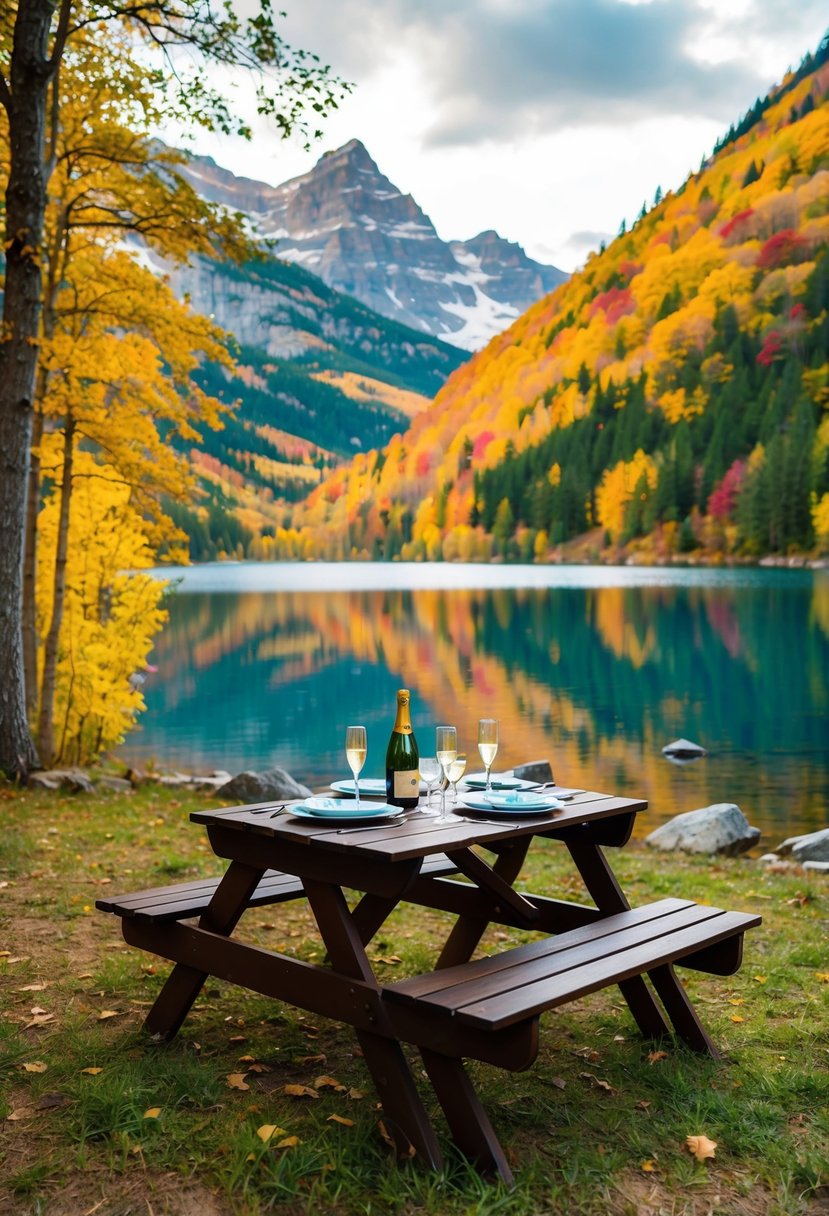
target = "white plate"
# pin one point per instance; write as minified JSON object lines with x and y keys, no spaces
{"x":344,"y":810}
{"x":370,"y":786}
{"x":517,"y":803}
{"x":500,"y":781}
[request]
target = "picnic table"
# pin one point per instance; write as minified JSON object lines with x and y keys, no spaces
{"x":484,"y":1008}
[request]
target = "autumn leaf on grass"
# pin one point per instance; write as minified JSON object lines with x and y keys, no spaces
{"x":39,"y":1018}
{"x":236,"y":1080}
{"x":340,"y":1119}
{"x":108,"y":1013}
{"x":654,"y":1056}
{"x":267,"y":1130}
{"x":356,"y":1094}
{"x":35,"y":1066}
{"x":299,"y":1091}
{"x":597,"y":1081}
{"x":648,"y":1166}
{"x":701,"y":1147}
{"x":319,"y":1059}
{"x":33,"y":987}
{"x":93,"y":1072}
{"x":329,"y":1083}
{"x":22,"y":1112}
{"x":152,"y":1113}
{"x":823,"y":976}
{"x":288,"y":1142}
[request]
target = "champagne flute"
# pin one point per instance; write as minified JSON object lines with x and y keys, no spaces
{"x":446,"y":750}
{"x":488,"y":747}
{"x":456,"y":770}
{"x":355,"y":754}
{"x":429,"y":771}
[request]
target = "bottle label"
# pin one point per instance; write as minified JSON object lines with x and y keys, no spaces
{"x":406,"y":784}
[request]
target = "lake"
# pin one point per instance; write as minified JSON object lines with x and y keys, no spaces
{"x":594,"y":668}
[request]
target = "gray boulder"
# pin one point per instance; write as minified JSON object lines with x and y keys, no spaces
{"x":74,"y":779}
{"x":820,"y":867}
{"x":534,"y":770}
{"x":272,"y":785}
{"x":812,"y":847}
{"x":721,"y":828}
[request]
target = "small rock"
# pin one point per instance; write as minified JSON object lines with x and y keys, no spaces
{"x":812,"y":847}
{"x":534,"y":770}
{"x":175,"y":779}
{"x":721,"y":828}
{"x":214,"y":780}
{"x":272,"y":785}
{"x":74,"y":779}
{"x":822,"y":867}
{"x":119,"y":784}
{"x":683,"y":749}
{"x":768,"y":859}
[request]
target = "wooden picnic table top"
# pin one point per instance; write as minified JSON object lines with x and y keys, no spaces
{"x":418,"y":834}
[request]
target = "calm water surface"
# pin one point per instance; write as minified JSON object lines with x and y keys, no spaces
{"x":593,"y":668}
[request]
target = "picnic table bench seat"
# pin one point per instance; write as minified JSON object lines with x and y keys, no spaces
{"x":182,"y":901}
{"x":514,"y":985}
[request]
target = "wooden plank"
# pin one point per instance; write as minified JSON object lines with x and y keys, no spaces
{"x":502,"y":1010}
{"x":451,"y":978}
{"x":563,"y":954}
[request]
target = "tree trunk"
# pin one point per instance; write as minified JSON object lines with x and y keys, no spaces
{"x":24,"y":96}
{"x":30,"y":573}
{"x":51,"y":649}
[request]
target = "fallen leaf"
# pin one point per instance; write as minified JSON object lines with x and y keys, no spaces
{"x":598,"y":1082}
{"x":288,"y":1142}
{"x":237,"y":1038}
{"x":823,"y":976}
{"x":33,"y":987}
{"x":259,"y":1068}
{"x":329,"y":1083}
{"x":93,"y":1072}
{"x":22,"y":1112}
{"x":108,"y":1013}
{"x":735,"y":1017}
{"x":340,"y":1119}
{"x":643,"y":1104}
{"x":356,"y":1094}
{"x":35,"y":1066}
{"x":299,"y":1091}
{"x":653,"y":1056}
{"x":701,"y":1147}
{"x":648,"y":1166}
{"x":737,"y":1000}
{"x":236,"y":1080}
{"x":759,"y":979}
{"x":558,"y":1082}
{"x":267,"y":1130}
{"x":37,"y":1010}
{"x":152,"y":1113}
{"x":320,"y":1059}
{"x":39,"y":1019}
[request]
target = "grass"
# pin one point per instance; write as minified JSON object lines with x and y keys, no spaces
{"x":598,"y":1125}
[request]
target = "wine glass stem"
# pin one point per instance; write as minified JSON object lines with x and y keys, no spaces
{"x":488,"y":780}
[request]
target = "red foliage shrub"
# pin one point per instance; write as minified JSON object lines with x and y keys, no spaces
{"x":616,"y":302}
{"x":781,"y":249}
{"x":735,"y":222}
{"x":482,"y":443}
{"x":723,"y":497}
{"x":424,"y":463}
{"x":771,"y":348}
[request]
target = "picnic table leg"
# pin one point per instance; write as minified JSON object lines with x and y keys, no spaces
{"x":608,"y":897}
{"x":405,"y":1117}
{"x":184,"y":983}
{"x":468,"y":930}
{"x":680,"y":1010}
{"x":468,"y":1121}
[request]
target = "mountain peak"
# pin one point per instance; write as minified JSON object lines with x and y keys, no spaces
{"x":346,"y":222}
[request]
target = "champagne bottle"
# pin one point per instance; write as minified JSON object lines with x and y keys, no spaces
{"x":402,"y":758}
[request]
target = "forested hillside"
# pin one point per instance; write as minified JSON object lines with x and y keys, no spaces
{"x":671,"y":397}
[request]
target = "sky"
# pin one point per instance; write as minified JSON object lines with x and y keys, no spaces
{"x":547,"y":120}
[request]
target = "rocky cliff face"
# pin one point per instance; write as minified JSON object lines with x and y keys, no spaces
{"x":347,"y":223}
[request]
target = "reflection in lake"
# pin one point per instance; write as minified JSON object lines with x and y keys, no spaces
{"x":597,"y":678}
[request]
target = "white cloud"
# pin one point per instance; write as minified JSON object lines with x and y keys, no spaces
{"x":539,"y":118}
